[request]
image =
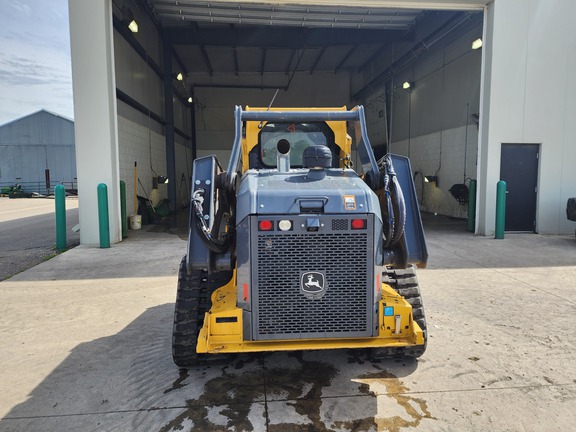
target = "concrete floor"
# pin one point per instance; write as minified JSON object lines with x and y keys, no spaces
{"x":85,"y":346}
{"x":28,"y":232}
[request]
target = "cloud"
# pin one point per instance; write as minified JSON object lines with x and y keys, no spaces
{"x":20,"y":7}
{"x":35,"y":70}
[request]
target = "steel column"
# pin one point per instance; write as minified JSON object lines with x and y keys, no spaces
{"x":169,"y":117}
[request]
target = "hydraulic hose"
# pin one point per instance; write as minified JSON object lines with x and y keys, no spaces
{"x":389,"y":234}
{"x":217,"y":245}
{"x":395,"y":203}
{"x":401,"y":206}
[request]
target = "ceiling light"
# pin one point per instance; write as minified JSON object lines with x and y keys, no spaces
{"x":190,"y":99}
{"x":477,"y":44}
{"x":179,"y":77}
{"x":128,"y":19}
{"x":408,"y":86}
{"x":133,"y":26}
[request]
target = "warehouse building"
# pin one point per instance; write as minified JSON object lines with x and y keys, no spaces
{"x":469,"y":89}
{"x":37,"y":152}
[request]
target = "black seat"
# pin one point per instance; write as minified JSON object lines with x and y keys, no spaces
{"x":317,"y":156}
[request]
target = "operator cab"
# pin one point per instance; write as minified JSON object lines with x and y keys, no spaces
{"x":300,"y":136}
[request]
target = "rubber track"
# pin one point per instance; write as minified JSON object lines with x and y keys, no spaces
{"x":193,"y":300}
{"x":405,"y":283}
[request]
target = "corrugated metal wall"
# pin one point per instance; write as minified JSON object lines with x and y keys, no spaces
{"x":33,"y":144}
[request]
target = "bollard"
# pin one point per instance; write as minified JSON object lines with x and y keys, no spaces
{"x":103,"y":222}
{"x":472,"y":206}
{"x":123,"y":209}
{"x":500,"y":209}
{"x":60,"y":200}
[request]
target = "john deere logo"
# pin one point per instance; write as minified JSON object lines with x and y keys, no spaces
{"x":313,"y":284}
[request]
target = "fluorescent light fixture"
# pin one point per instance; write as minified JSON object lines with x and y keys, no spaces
{"x":477,"y":44}
{"x":190,"y":99}
{"x":179,"y":77}
{"x":406,"y":85}
{"x":133,"y":26}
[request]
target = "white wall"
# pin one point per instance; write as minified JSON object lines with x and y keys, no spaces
{"x":92,"y":49}
{"x":530,"y":97}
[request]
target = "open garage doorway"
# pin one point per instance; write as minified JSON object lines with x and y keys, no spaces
{"x":413,"y":69}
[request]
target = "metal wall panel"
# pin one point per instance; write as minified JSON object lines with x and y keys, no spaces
{"x":41,"y":128}
{"x":32,"y":144}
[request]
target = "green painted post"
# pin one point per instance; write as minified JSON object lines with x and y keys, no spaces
{"x":500,"y":209}
{"x":103,"y":222}
{"x":60,"y":200}
{"x":472,"y":206}
{"x":123,"y":209}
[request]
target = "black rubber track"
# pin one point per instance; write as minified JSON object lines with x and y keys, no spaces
{"x":193,"y":300}
{"x":405,"y":283}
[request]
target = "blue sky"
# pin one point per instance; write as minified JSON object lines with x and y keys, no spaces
{"x":35,"y":70}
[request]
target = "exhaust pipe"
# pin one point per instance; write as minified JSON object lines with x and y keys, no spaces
{"x":283,"y":156}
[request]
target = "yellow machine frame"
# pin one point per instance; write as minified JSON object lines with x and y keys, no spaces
{"x":223,"y":329}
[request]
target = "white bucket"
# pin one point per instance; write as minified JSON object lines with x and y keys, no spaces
{"x":136,"y":222}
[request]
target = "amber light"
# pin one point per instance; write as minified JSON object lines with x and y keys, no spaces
{"x":265,"y":225}
{"x":358,"y":224}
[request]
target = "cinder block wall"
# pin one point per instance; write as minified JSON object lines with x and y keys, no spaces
{"x":141,"y":138}
{"x":433,"y":125}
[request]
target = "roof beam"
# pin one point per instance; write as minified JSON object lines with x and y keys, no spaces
{"x":236,"y":68}
{"x":207,"y":60}
{"x":345,"y":58}
{"x":263,"y":62}
{"x":279,"y":37}
{"x":235,"y":55}
{"x":290,"y":61}
{"x":313,"y":68}
{"x":195,"y":31}
{"x":250,"y":13}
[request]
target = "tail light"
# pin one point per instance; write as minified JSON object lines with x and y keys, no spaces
{"x":358,"y":224}
{"x":265,"y":225}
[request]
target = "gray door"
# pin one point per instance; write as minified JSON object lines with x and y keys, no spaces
{"x":519,"y":169}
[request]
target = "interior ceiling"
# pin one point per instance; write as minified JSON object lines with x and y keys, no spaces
{"x":214,"y":38}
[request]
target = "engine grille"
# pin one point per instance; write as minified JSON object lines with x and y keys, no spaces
{"x":282,"y":311}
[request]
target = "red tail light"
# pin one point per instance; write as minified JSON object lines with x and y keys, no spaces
{"x":358,"y":224}
{"x":265,"y":225}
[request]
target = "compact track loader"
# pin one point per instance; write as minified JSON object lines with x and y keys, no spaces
{"x":291,"y":248}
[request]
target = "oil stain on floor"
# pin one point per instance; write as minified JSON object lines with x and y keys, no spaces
{"x":396,"y":409}
{"x":240,"y":401}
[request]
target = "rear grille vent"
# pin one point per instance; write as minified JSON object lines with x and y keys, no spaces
{"x":339,"y":224}
{"x":281,"y":309}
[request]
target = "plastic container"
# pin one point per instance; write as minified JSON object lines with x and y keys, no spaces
{"x":136,"y":222}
